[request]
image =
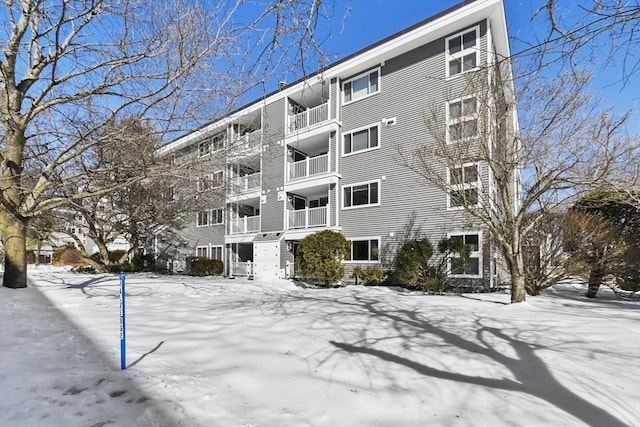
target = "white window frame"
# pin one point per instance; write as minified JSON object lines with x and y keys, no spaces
{"x":368,"y":239}
{"x":463,"y":52}
{"x":357,"y":184}
{"x":212,"y":216}
{"x":473,"y":254}
{"x":204,"y":223}
{"x":205,"y":249}
{"x":211,"y":144}
{"x":463,"y":186}
{"x":212,"y":252}
{"x":463,"y":119}
{"x":351,"y":80}
{"x":209,"y":181}
{"x":204,"y":147}
{"x":358,"y":130}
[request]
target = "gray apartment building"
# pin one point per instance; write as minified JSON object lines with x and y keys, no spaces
{"x":326,"y":153}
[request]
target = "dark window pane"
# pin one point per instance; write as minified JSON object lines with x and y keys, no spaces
{"x":455,"y":67}
{"x":455,"y":110}
{"x":361,"y":195}
{"x":347,"y":92}
{"x":471,"y":174}
{"x":373,"y":193}
{"x":473,"y":266}
{"x":471,"y":196}
{"x":347,"y":196}
{"x":374,"y":250}
{"x":470,"y":128}
{"x":456,"y":199}
{"x":373,"y":137}
{"x":347,"y":144}
{"x":469,"y":61}
{"x":473,"y":241}
{"x":455,"y":176}
{"x":360,"y":250}
{"x":457,"y":266}
{"x":360,"y":140}
{"x":469,"y":39}
{"x":373,"y":82}
{"x":469,"y":106}
{"x":455,"y":44}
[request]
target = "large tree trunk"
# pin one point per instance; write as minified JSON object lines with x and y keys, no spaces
{"x":515,"y":263}
{"x":14,"y":234}
{"x":595,"y":280}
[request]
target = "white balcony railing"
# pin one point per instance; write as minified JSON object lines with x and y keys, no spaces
{"x":245,"y":184}
{"x":309,"y":167}
{"x":247,"y":224}
{"x":308,"y":217}
{"x":309,"y":117}
{"x":248,"y":142}
{"x":242,"y":268}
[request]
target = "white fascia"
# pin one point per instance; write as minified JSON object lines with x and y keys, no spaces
{"x":447,"y":24}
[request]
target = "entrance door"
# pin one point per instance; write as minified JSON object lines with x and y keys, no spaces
{"x":266,"y":258}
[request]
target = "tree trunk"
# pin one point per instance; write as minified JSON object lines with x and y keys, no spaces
{"x":595,"y":280}
{"x":518,"y":291}
{"x":14,"y":234}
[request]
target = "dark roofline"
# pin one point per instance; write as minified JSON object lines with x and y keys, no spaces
{"x":333,"y":64}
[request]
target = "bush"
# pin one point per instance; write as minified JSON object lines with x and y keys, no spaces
{"x":412,"y":261}
{"x":56,"y":257}
{"x":371,"y":275}
{"x":204,"y":267}
{"x":320,"y":256}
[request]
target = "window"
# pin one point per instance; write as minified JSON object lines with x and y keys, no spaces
{"x":462,"y":52}
{"x":216,"y":252}
{"x":472,"y":266}
{"x":360,"y":140}
{"x":364,"y":250}
{"x":213,"y":143}
{"x":464,"y":182}
{"x":462,"y":119}
{"x":217,"y":179}
{"x":204,"y":148}
{"x":210,"y":180}
{"x":202,"y":252}
{"x":217,"y":216}
{"x":361,"y":194}
{"x":204,"y":183}
{"x":317,"y":203}
{"x":203,"y":219}
{"x":361,"y":86}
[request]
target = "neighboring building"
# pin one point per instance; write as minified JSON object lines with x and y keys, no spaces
{"x":323,"y":153}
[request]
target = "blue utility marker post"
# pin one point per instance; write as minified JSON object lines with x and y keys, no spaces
{"x":123,"y":328}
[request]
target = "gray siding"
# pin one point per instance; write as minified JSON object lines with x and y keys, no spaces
{"x":273,"y":157}
{"x":334,"y":96}
{"x":410,"y":84}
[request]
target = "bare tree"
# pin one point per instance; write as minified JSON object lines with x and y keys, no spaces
{"x":608,"y":30}
{"x":507,"y":177}
{"x":68,"y":68}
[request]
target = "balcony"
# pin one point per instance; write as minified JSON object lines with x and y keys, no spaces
{"x":247,"y":143}
{"x":308,"y":218}
{"x":308,"y":167}
{"x":245,"y":184}
{"x":308,"y":118}
{"x":245,"y":225}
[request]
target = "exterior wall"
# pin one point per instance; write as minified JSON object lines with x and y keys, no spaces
{"x":412,"y":84}
{"x":273,"y":167}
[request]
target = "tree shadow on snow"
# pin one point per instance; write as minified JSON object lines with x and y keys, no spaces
{"x":529,"y":372}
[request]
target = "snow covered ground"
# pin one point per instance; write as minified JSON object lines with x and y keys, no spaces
{"x":220,"y":352}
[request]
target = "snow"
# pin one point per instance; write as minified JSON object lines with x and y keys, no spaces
{"x":221,"y":352}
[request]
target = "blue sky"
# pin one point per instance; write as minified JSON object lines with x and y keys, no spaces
{"x":367,"y":21}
